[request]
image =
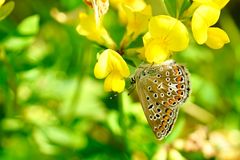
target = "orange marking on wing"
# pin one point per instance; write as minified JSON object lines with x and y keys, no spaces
{"x":168,"y":112}
{"x":165,"y":119}
{"x":179,"y":86}
{"x":177,"y":97}
{"x":175,"y":70}
{"x":179,"y":92}
{"x":166,"y":104}
{"x":161,"y":128}
{"x":170,"y":101}
{"x":179,"y":79}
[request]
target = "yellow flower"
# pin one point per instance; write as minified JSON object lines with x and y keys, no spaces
{"x":111,"y":66}
{"x":88,"y":27}
{"x":6,"y":9}
{"x":206,"y":14}
{"x":137,"y":23}
{"x":216,"y":3}
{"x":1,"y":3}
{"x":166,"y":35}
{"x":216,"y":38}
{"x":135,"y":5}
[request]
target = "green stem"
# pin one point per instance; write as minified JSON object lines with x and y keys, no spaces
{"x":124,"y":43}
{"x":11,"y":82}
{"x":158,"y":7}
{"x":122,"y":121}
{"x":75,"y":99}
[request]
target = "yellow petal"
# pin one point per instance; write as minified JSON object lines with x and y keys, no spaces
{"x":215,"y":3}
{"x":137,"y":21}
{"x":118,"y":84}
{"x":114,"y":82}
{"x":102,"y":67}
{"x":118,"y":63}
{"x":170,"y":31}
{"x":136,"y":5}
{"x":108,"y":83}
{"x":204,"y":17}
{"x":177,"y":39}
{"x":160,"y":26}
{"x":1,"y":2}
{"x":221,"y":3}
{"x":203,"y":2}
{"x":216,"y":38}
{"x":147,"y":38}
{"x":155,"y":52}
{"x":88,"y":27}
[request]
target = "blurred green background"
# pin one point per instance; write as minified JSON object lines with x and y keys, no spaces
{"x":52,"y":107}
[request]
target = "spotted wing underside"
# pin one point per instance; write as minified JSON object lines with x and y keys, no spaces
{"x":161,"y":89}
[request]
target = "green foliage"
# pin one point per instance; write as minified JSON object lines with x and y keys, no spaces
{"x":29,"y":26}
{"x":176,"y":7}
{"x":172,"y":7}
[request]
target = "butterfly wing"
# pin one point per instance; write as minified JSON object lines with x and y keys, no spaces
{"x":161,"y":89}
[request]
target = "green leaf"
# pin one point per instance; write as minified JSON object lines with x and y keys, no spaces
{"x":171,"y":7}
{"x":65,"y":137}
{"x":29,"y":26}
{"x":18,"y":43}
{"x":6,"y":9}
{"x":185,"y":4}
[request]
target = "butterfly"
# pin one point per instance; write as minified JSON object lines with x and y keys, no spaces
{"x":161,"y":89}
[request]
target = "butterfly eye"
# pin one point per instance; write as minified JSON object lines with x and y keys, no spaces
{"x":143,"y":73}
{"x":133,"y":80}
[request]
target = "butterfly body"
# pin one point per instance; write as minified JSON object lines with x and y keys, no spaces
{"x":161,"y":89}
